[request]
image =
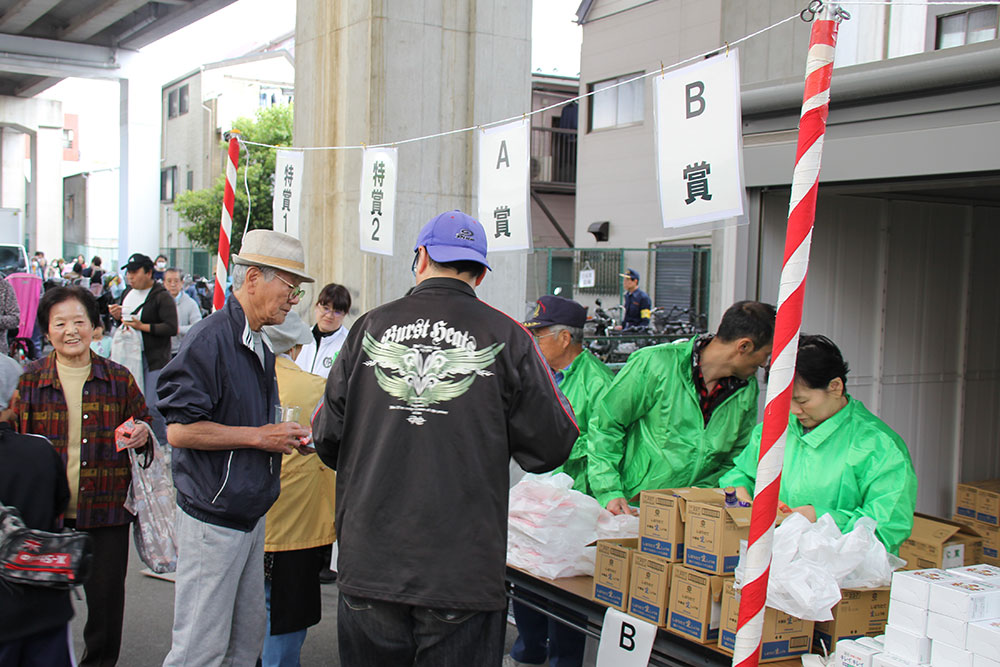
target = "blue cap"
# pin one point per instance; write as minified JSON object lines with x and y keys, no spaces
{"x":452,"y":237}
{"x":631,"y":273}
{"x":551,"y":310}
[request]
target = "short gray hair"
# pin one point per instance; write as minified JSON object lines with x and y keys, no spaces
{"x":239,"y":274}
{"x":575,"y":333}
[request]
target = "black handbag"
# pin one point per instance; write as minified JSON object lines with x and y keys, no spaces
{"x":41,"y":558}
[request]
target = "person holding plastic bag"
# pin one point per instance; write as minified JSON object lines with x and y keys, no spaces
{"x":77,"y":399}
{"x":840,"y":459}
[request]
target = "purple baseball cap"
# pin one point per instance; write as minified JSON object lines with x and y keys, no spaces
{"x":454,"y":236}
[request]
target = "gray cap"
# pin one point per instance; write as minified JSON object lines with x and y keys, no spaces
{"x":293,"y":331}
{"x":10,"y":372}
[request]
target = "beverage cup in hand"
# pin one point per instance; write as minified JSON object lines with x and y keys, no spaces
{"x":287,"y":413}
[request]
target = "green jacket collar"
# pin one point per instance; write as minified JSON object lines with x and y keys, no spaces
{"x":818,"y":435}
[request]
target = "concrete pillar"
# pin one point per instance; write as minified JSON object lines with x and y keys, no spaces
{"x":48,"y":190}
{"x":12,"y":183}
{"x":370,"y":71}
{"x":139,"y":173}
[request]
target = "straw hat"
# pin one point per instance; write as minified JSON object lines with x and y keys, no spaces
{"x":264,"y":247}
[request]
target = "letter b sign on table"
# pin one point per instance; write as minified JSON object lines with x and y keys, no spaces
{"x":626,"y":641}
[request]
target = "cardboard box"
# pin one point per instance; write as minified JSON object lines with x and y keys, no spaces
{"x":906,"y":645}
{"x":712,"y":535}
{"x":965,"y":500}
{"x":943,"y":655}
{"x":988,"y":503}
{"x":695,"y":607}
{"x":649,"y":590}
{"x":983,"y":661}
{"x":914,"y":586}
{"x":889,"y":660}
{"x":851,"y":654}
{"x":991,"y":543}
{"x":783,"y":636}
{"x":965,"y":599}
{"x":984,"y":638}
{"x":946,"y":630}
{"x":942,"y":543}
{"x":908,"y":617}
{"x":662,"y":513}
{"x":861,"y":612}
{"x":982,"y":572}
{"x":612,"y":565}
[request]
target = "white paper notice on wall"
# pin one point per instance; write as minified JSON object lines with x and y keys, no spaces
{"x":626,"y":641}
{"x":588,"y":278}
{"x":504,"y":179}
{"x":288,"y":173}
{"x":699,"y":142}
{"x":377,"y":206}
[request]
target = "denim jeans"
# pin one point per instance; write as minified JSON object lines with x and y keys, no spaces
{"x":374,"y":633}
{"x":540,"y":637}
{"x":281,"y":650}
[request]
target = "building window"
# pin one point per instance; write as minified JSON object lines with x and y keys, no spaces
{"x":68,"y":137}
{"x":978,"y":24}
{"x":616,"y":106}
{"x":172,"y":104}
{"x":168,"y":181}
{"x":183,"y":101}
{"x":178,"y":101}
{"x":190,"y":181}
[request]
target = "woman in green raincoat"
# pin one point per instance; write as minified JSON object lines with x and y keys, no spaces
{"x":840,"y":459}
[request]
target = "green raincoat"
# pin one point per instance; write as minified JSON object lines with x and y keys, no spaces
{"x":648,"y":431}
{"x":852,"y":465}
{"x":583,"y":382}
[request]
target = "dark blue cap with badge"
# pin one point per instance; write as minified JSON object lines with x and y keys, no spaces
{"x":452,"y":237}
{"x":551,"y":310}
{"x":631,"y":273}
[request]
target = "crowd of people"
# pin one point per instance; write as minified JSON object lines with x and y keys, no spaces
{"x":392,"y":439}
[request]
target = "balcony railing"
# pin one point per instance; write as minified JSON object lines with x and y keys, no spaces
{"x":553,"y":157}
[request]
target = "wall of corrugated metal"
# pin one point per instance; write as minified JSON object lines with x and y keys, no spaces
{"x":908,"y":291}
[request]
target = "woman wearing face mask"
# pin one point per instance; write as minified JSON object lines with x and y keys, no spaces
{"x":840,"y":459}
{"x":159,"y":268}
{"x":329,"y":333}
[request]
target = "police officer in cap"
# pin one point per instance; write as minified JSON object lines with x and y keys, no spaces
{"x":637,"y":303}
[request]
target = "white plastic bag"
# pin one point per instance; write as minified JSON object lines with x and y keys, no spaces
{"x":550,"y":525}
{"x":811,"y":562}
{"x":151,"y":498}
{"x":126,"y":349}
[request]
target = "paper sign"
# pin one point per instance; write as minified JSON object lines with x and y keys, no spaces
{"x":504,"y":179}
{"x":699,"y":142}
{"x":377,"y":207}
{"x":626,"y":641}
{"x":588,"y":278}
{"x":288,"y":172}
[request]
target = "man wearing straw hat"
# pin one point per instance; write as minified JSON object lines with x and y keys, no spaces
{"x":218,"y":396}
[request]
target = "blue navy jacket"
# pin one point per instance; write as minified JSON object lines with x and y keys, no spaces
{"x":217,"y":377}
{"x":635,"y":303}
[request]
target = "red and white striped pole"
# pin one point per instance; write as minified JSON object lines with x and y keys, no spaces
{"x":226,"y":224}
{"x":791,"y":292}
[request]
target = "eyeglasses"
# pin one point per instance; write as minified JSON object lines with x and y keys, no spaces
{"x":295,"y":293}
{"x":327,"y":310}
{"x":413,"y":267}
{"x":551,"y":333}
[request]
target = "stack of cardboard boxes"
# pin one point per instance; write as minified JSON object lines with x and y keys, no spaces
{"x":977,"y":505}
{"x":944,"y":618}
{"x":678,"y":573}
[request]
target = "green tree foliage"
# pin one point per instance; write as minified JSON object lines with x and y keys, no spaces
{"x":203,"y":208}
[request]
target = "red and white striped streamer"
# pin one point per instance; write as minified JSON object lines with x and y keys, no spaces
{"x":801,"y":214}
{"x":226,"y":224}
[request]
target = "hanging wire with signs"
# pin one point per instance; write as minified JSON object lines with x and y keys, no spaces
{"x":661,"y":71}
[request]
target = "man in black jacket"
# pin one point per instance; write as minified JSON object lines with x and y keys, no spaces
{"x":427,"y":401}
{"x":148,"y":307}
{"x":33,"y":620}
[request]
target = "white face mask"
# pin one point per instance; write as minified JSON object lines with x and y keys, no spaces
{"x":161,"y":265}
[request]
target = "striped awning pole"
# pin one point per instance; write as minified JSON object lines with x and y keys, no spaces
{"x":226,"y":224}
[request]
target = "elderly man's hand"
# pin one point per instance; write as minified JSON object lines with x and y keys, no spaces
{"x":281,"y":438}
{"x":621,"y":506}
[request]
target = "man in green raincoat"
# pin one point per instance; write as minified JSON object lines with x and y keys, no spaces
{"x":557,"y":325}
{"x":678,"y":414}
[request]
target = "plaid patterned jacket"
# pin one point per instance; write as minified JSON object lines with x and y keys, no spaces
{"x":110,"y":397}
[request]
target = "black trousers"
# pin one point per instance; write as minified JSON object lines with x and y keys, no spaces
{"x":105,"y":591}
